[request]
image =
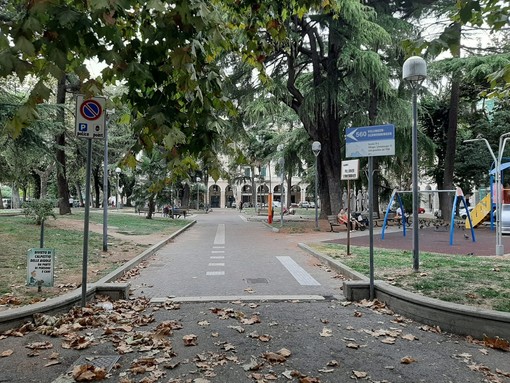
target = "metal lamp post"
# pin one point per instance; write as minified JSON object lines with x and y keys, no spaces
{"x":316,"y":149}
{"x":415,"y":71}
{"x":282,"y":165}
{"x":117,"y":171}
{"x":198,"y":193}
{"x":500,"y":249}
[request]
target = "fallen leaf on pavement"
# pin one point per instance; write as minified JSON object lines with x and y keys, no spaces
{"x":265,"y":338}
{"x":190,"y":340}
{"x":309,"y":379}
{"x":284,"y":352}
{"x":326,"y":332}
{"x":273,"y":357}
{"x":409,"y":337}
{"x":52,"y":363}
{"x":239,"y":329}
{"x":252,"y":365}
{"x":39,"y":345}
{"x":407,"y":360}
{"x":6,"y":353}
{"x":435,"y":329}
{"x":353,"y":345}
{"x":388,"y":340}
{"x":497,"y":343}
{"x":333,"y":363}
{"x":359,"y":374}
{"x":254,"y":319}
{"x":87,"y":373}
{"x":504,"y":373}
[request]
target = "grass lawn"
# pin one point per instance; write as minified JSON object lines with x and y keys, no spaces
{"x":476,"y":281}
{"x":134,"y":224}
{"x":17,"y":235}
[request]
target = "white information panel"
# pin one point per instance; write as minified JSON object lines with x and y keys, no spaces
{"x":40,"y":266}
{"x":350,"y":170}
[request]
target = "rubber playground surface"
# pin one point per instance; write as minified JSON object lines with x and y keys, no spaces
{"x":435,"y":240}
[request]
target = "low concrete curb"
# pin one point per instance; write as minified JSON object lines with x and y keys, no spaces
{"x":451,"y":317}
{"x":16,"y":317}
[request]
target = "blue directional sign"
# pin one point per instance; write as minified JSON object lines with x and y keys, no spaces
{"x":370,"y":141}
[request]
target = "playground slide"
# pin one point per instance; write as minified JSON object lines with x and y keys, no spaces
{"x":480,"y":212}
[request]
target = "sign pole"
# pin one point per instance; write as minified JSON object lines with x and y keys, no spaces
{"x":86,"y":226}
{"x":348,"y":217}
{"x":105,"y":189}
{"x":371,"y":222}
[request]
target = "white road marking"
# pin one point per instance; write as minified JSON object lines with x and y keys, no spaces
{"x":218,"y":251}
{"x":217,"y":264}
{"x":220,"y":235}
{"x":217,"y":257}
{"x":248,"y":298}
{"x":218,"y":247}
{"x":298,"y":272}
{"x":243,"y":218}
{"x":215,"y":273}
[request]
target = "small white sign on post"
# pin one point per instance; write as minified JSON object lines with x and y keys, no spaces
{"x":90,"y":117}
{"x":350,"y":170}
{"x":40,"y":266}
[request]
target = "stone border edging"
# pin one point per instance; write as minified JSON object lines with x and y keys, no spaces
{"x":452,"y":317}
{"x":17,"y":316}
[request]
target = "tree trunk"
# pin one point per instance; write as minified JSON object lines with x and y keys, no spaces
{"x":80,"y":197}
{"x":323,"y":126}
{"x":185,"y":196}
{"x":60,"y":141}
{"x":151,"y":205}
{"x":44,"y":176}
{"x":15,"y":200}
{"x":288,"y":187}
{"x":446,"y":199}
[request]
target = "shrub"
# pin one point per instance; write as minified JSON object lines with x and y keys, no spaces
{"x":39,"y":210}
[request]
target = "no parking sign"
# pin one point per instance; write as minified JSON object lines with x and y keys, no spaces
{"x":90,"y":117}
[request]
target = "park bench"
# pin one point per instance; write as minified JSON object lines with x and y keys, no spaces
{"x":332,"y":219}
{"x":178,"y":212}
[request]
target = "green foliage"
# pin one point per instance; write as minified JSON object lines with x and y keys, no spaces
{"x":39,"y":210}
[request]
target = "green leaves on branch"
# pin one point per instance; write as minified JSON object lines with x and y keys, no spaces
{"x":39,"y":210}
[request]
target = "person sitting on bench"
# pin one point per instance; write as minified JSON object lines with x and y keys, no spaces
{"x":342,"y":218}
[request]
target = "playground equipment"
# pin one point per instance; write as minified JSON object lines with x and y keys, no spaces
{"x":458,"y":194}
{"x":483,"y":209}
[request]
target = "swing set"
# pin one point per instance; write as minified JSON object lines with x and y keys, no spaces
{"x":458,"y":195}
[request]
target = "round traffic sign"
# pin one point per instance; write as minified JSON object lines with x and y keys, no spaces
{"x":91,"y":110}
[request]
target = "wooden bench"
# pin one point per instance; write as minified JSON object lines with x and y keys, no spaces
{"x":177,"y":212}
{"x":332,"y":219}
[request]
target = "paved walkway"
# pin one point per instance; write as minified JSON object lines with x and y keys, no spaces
{"x":246,"y":340}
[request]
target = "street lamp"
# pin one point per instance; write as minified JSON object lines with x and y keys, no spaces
{"x":198,"y":192}
{"x":500,"y":250}
{"x":282,"y":165}
{"x":415,"y":71}
{"x":316,"y":149}
{"x":118,"y":171}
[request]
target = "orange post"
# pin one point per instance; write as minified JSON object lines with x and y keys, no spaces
{"x":270,"y":208}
